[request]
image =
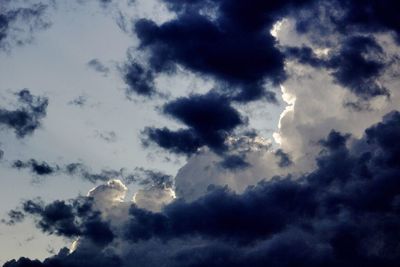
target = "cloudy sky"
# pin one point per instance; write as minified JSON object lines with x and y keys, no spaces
{"x":199,"y":133}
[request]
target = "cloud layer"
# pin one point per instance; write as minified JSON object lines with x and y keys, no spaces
{"x":345,"y":213}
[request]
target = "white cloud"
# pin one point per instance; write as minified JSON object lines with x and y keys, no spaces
{"x":203,"y":169}
{"x":153,"y":199}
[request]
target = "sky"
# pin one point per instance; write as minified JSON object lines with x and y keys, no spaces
{"x":199,"y":133}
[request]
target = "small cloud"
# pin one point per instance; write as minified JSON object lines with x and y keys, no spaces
{"x":108,"y":136}
{"x":98,"y":66}
{"x":284,"y":159}
{"x":234,"y":162}
{"x":78,"y":101}
{"x":28,"y":116}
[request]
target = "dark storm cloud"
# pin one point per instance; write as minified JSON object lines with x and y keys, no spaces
{"x":226,"y":40}
{"x":360,"y":60}
{"x":70,"y":219}
{"x":335,"y":140}
{"x":28,"y":116}
{"x":369,"y":16}
{"x":18,"y":23}
{"x":344,"y":213}
{"x":180,"y":141}
{"x":210,"y":119}
{"x":304,"y":55}
{"x":355,"y":71}
{"x":230,"y":42}
{"x":356,"y":65}
{"x":89,"y":258}
{"x":348,"y":207}
{"x":259,"y":213}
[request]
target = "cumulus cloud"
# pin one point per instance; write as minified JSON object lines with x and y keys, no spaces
{"x":250,"y":160}
{"x":318,"y":100}
{"x":153,"y":199}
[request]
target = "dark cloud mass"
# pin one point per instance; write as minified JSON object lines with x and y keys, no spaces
{"x":63,"y":259}
{"x":227,"y":40}
{"x":180,"y":141}
{"x":38,"y":168}
{"x":139,"y":79}
{"x":70,"y":219}
{"x":344,"y":213}
{"x":356,"y":72}
{"x":210,"y":119}
{"x":357,"y":65}
{"x":370,"y":16}
{"x":231,"y":42}
{"x":28,"y":116}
